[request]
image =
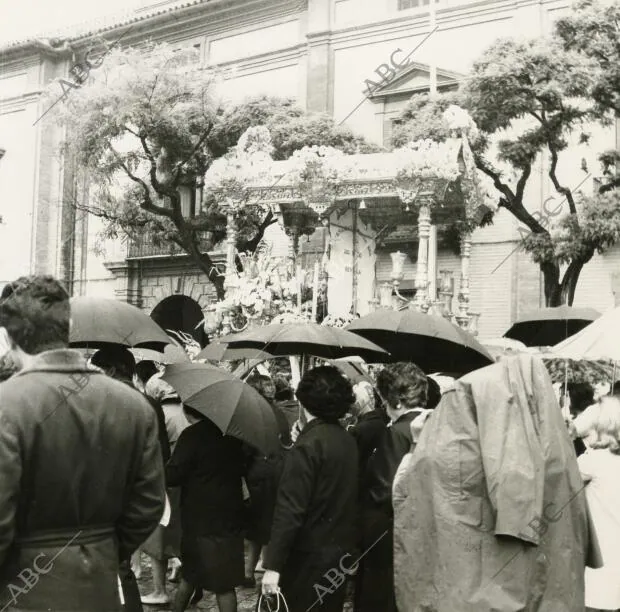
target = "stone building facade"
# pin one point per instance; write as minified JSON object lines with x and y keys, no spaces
{"x":324,"y":53}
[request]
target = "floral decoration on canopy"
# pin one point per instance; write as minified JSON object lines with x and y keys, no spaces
{"x":315,"y":171}
{"x":425,"y":164}
{"x":249,"y":163}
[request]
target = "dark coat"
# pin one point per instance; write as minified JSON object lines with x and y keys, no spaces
{"x":164,"y":443}
{"x":314,"y":520}
{"x":368,"y":432}
{"x":82,"y":483}
{"x":375,"y":579}
{"x":208,"y":467}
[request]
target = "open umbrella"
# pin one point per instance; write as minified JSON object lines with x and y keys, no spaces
{"x":98,"y":322}
{"x":235,"y":407}
{"x":599,"y":340}
{"x":431,"y":342}
{"x":548,"y":326}
{"x":306,"y":339}
{"x":218,"y":350}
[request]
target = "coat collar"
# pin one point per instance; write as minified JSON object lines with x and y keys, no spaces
{"x":311,"y":425}
{"x":59,"y":360}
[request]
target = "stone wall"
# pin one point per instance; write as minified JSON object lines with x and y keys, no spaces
{"x":156,"y":280}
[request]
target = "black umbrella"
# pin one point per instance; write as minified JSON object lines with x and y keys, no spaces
{"x":306,"y":339}
{"x":234,"y":406}
{"x":549,"y":326}
{"x":218,"y":350}
{"x":431,"y":342}
{"x":99,"y":322}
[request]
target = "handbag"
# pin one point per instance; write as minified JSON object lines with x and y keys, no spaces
{"x":272,"y":603}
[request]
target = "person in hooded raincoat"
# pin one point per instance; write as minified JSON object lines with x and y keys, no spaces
{"x":491,"y":515}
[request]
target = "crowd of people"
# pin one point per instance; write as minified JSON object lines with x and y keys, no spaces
{"x":408,"y":493}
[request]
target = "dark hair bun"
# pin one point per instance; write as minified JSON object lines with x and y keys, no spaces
{"x":325,"y":393}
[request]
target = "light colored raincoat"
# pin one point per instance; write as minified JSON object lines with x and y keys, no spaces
{"x":490,"y":515}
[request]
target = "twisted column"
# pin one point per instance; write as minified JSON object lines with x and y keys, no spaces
{"x":421,"y":279}
{"x":463,"y":297}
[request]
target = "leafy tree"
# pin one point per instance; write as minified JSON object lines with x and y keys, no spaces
{"x":150,"y":124}
{"x":593,"y":29}
{"x":527,"y":99}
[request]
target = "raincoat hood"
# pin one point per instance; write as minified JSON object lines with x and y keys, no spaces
{"x":490,"y":514}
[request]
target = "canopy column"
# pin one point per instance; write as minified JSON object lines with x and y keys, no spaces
{"x":421,"y":280}
{"x":432,"y":264}
{"x":463,"y":315}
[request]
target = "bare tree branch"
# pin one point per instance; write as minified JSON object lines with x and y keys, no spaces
{"x":147,"y":202}
{"x":565,"y":191}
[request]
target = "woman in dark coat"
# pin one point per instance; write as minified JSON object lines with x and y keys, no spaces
{"x":313,"y":533}
{"x":403,"y":387}
{"x":208,"y":467}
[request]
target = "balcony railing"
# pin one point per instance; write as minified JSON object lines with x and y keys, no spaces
{"x":145,"y":247}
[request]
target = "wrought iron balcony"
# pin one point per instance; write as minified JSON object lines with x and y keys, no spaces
{"x":145,"y":247}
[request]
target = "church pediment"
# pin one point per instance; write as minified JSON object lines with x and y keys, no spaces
{"x":413,"y":78}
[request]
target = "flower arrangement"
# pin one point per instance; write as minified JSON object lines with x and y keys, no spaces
{"x":315,"y":169}
{"x":427,"y":159}
{"x":339,"y":322}
{"x":262,"y":293}
{"x":249,"y":163}
{"x":459,"y":120}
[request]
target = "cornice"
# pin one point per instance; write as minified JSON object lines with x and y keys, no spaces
{"x":198,"y":21}
{"x":447,"y":18}
{"x":271,"y":60}
{"x":17,"y":103}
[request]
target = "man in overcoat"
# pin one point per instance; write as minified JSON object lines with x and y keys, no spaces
{"x":80,"y":464}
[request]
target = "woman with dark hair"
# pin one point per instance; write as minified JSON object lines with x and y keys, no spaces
{"x":403,"y":386}
{"x":313,"y":529}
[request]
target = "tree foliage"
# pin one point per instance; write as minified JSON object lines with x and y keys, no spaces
{"x":529,"y":98}
{"x":151,"y":124}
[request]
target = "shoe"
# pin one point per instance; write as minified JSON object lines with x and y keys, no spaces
{"x":249,"y":583}
{"x":155,"y":600}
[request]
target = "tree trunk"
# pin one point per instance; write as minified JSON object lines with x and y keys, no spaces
{"x":560,"y":293}
{"x":551,"y":282}
{"x":205,"y":263}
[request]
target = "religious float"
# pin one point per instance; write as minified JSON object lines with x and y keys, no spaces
{"x":427,"y":187}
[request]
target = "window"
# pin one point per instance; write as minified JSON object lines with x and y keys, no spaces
{"x":403,"y":5}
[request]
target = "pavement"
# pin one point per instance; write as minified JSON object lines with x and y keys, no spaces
{"x":246,"y":598}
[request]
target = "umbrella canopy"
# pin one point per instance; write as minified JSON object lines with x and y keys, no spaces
{"x":430,"y":341}
{"x":218,"y":350}
{"x":548,"y":326}
{"x":599,"y":340}
{"x":98,"y":322}
{"x":235,"y":407}
{"x":307,"y":339}
{"x":173,"y":353}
